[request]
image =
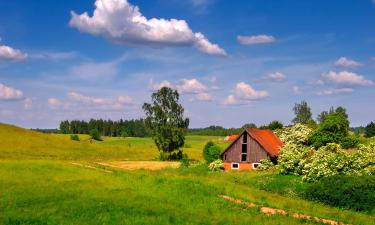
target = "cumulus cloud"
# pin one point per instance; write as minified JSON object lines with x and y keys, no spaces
{"x":123,"y":23}
{"x":333,"y":91}
{"x":192,"y":86}
{"x":246,"y":92}
{"x":277,"y":77}
{"x":206,"y":97}
{"x":9,"y":93}
{"x":157,"y":86}
{"x":346,"y":78}
{"x":9,"y":53}
{"x":54,"y":102}
{"x":255,"y":39}
{"x":230,"y":100}
{"x":345,"y":62}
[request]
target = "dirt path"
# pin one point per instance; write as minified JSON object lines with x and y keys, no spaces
{"x":137,"y":165}
{"x":274,"y":211}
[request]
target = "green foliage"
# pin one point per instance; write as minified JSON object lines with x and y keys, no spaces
{"x":274,"y":125}
{"x":185,"y":162}
{"x":211,"y":152}
{"x":350,"y":192}
{"x":94,"y":134}
{"x":249,"y":125}
{"x":214,"y":131}
{"x":74,"y":137}
{"x":351,"y":141}
{"x":303,"y":113}
{"x":370,"y":130}
{"x":123,"y":128}
{"x":166,"y":123}
{"x":333,"y":129}
{"x":216,"y":165}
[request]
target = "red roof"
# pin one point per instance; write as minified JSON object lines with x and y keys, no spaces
{"x":267,"y":139}
{"x":232,"y":137}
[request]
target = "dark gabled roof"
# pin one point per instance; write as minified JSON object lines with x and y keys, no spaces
{"x":266,"y":138}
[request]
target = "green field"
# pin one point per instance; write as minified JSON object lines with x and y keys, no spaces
{"x":49,"y":179}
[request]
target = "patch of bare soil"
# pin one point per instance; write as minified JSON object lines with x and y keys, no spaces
{"x":274,"y":211}
{"x":138,"y":165}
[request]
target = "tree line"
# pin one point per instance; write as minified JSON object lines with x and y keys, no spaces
{"x":124,"y":128}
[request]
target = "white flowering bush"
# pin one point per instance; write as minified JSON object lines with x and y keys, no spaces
{"x":294,"y":153}
{"x":331,"y":160}
{"x":216,"y":165}
{"x":266,"y":164}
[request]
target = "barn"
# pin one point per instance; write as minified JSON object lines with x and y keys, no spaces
{"x":249,"y":148}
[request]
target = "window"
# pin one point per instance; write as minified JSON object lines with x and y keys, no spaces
{"x":244,"y":153}
{"x":243,"y":157}
{"x":244,"y":148}
{"x":244,"y":140}
{"x":235,"y":166}
{"x":255,"y":165}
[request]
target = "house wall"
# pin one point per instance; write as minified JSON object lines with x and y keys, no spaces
{"x":255,"y":152}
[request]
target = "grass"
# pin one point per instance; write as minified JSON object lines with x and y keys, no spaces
{"x":48,"y":179}
{"x":18,"y":143}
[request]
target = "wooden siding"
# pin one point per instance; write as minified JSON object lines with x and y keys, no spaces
{"x":255,"y":152}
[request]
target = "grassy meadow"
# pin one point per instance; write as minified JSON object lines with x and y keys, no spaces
{"x":49,"y":179}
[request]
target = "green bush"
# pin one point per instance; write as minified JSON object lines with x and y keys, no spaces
{"x":94,"y":133}
{"x":350,"y":192}
{"x":74,"y":137}
{"x":350,"y":141}
{"x":265,"y":164}
{"x":211,"y":152}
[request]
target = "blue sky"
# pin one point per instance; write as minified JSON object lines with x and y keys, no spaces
{"x":233,"y":62}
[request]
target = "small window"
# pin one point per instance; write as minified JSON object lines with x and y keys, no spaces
{"x":235,"y":166}
{"x":244,"y":138}
{"x":244,"y":148}
{"x":244,"y":157}
{"x":255,"y":165}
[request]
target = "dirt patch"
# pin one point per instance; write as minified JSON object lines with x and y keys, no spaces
{"x":274,"y":211}
{"x":138,"y":165}
{"x":92,"y":167}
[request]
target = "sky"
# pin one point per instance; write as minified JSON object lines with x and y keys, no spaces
{"x":233,"y":62}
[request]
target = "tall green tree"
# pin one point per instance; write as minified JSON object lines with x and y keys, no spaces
{"x":303,"y":113}
{"x":370,"y":130}
{"x":166,"y":123}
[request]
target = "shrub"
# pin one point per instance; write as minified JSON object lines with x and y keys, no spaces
{"x":350,"y":141}
{"x":350,"y":192}
{"x":175,"y":155}
{"x":216,"y":165}
{"x":211,"y":152}
{"x":185,"y":161}
{"x":94,"y":133}
{"x":265,"y":164}
{"x":74,"y":137}
{"x":370,"y":130}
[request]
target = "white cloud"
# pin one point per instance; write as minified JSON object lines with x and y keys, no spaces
{"x":9,"y":93}
{"x":192,"y":86}
{"x":27,"y":103}
{"x":230,"y":100}
{"x":246,"y":92}
{"x":157,"y":86}
{"x":296,"y":90}
{"x":256,"y":39}
{"x":345,"y":62}
{"x":123,"y":23}
{"x":347,"y":78}
{"x":203,"y":97}
{"x":94,"y":101}
{"x":9,"y":53}
{"x":54,"y":102}
{"x":333,"y":91}
{"x":277,"y":76}
{"x":317,"y":82}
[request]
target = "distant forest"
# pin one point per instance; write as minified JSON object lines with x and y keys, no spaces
{"x":136,"y":128}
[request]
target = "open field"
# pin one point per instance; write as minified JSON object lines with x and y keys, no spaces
{"x":49,"y":179}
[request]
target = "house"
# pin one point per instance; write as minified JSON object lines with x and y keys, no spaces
{"x":231,"y":137}
{"x":249,"y":148}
